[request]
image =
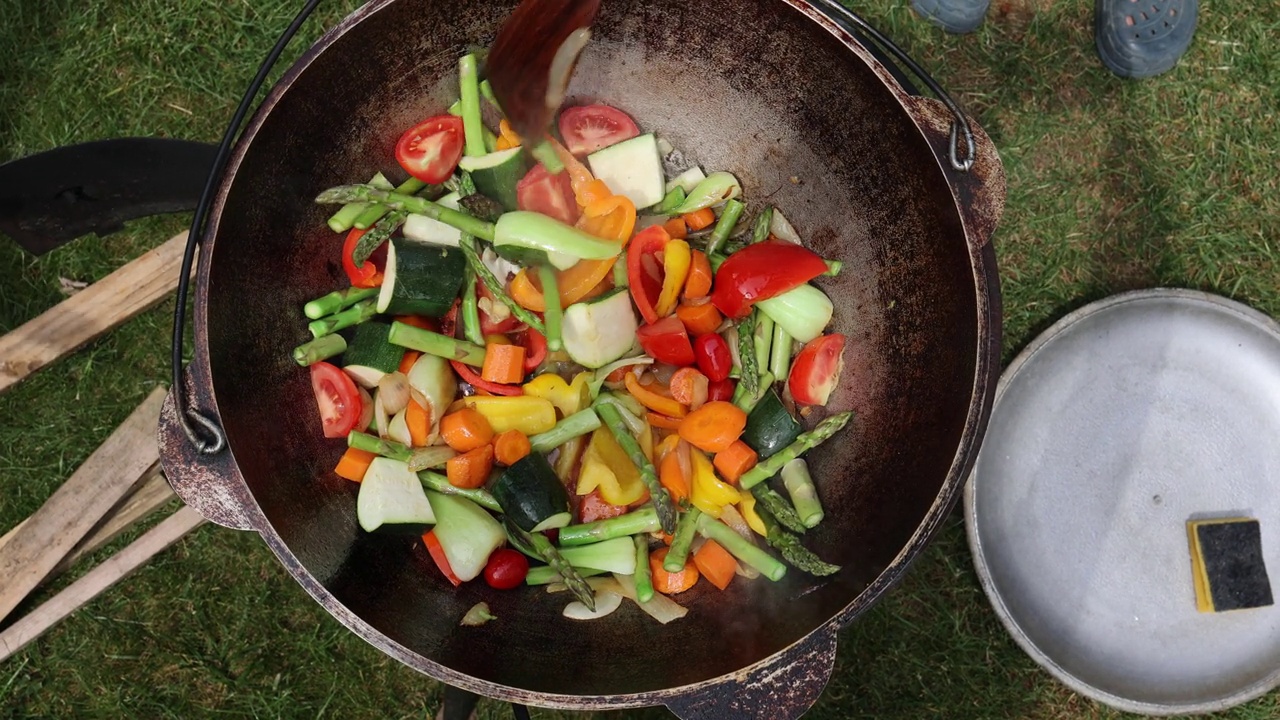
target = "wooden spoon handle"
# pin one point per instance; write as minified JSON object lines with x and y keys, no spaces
{"x":520,"y":60}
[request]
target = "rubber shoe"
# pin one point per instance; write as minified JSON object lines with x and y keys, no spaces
{"x":954,"y":16}
{"x":1141,"y":38}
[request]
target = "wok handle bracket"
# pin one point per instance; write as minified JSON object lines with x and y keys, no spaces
{"x":782,"y":687}
{"x":961,"y":159}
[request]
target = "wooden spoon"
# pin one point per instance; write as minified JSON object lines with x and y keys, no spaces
{"x":532,"y":60}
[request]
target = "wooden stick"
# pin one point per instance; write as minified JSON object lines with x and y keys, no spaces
{"x":104,"y":305}
{"x":152,"y":494}
{"x":112,"y":570}
{"x":84,"y":499}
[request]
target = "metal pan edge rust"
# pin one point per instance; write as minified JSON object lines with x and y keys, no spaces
{"x":931,"y":292}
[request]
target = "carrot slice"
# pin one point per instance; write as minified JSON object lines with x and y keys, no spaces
{"x":503,"y":363}
{"x":418,"y":321}
{"x":698,"y":284}
{"x":700,"y":319}
{"x":470,"y":470}
{"x":674,"y":478}
{"x":684,"y":385}
{"x":354,"y":464}
{"x":699,"y":219}
{"x":406,"y":362}
{"x":466,"y":430}
{"x":510,"y":446}
{"x":735,"y":460}
{"x":418,"y":418}
{"x":714,"y":426}
{"x":670,"y":583}
{"x":653,"y":400}
{"x":676,"y":228}
{"x":715,"y":563}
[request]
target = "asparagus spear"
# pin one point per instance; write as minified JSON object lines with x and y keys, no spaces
{"x":792,"y":551}
{"x":833,"y":268}
{"x":545,"y":153}
{"x":377,"y":235}
{"x":471,"y":310}
{"x":378,"y":446}
{"x":554,"y":314}
{"x":545,"y":575}
{"x":322,"y":348}
{"x":778,"y":507}
{"x":441,"y":484}
{"x":657,"y":494}
{"x":750,"y":381}
{"x":409,"y":203}
{"x":761,"y":230}
{"x":678,"y":554}
{"x":337,"y":300}
{"x":487,"y":91}
{"x":354,"y":315}
{"x":746,"y":401}
{"x":482,"y":271}
{"x":469,"y":84}
{"x":576,"y":425}
{"x":434,"y":343}
{"x":799,"y":484}
{"x":483,"y":207}
{"x":741,"y":548}
{"x":780,"y":353}
{"x":375,"y":212}
{"x":644,"y":574}
{"x":543,"y":548}
{"x":728,"y":221}
{"x":345,"y":219}
{"x":807,"y":441}
{"x":644,"y":520}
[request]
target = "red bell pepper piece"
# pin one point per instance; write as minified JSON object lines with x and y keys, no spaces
{"x":761,"y":271}
{"x":667,"y":341}
{"x":473,"y":378}
{"x":645,"y":288}
{"x":437,"y":554}
{"x":368,"y":275}
{"x":535,"y":348}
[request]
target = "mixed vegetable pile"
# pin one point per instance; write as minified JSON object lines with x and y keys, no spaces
{"x":587,"y":365}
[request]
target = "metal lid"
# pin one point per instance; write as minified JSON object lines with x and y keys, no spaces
{"x":1112,"y":429}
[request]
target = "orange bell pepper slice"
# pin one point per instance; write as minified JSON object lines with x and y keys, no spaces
{"x":612,"y":218}
{"x":654,"y":401}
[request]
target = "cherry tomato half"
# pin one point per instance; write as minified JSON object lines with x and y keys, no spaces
{"x":666,"y":341}
{"x":722,"y":390}
{"x":589,"y":128}
{"x":816,"y":370}
{"x":712,"y":354}
{"x":551,"y":195}
{"x":506,"y":569}
{"x":431,"y":149}
{"x":338,"y":399}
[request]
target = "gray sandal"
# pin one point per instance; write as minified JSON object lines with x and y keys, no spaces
{"x":1141,"y":38}
{"x":954,"y":16}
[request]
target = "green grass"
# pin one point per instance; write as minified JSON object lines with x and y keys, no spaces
{"x":1113,"y":185}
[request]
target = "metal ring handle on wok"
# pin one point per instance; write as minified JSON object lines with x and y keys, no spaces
{"x":203,"y":431}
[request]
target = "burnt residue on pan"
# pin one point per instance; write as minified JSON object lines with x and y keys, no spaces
{"x":809,"y":126}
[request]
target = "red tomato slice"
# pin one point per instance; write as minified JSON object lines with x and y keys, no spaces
{"x":761,"y":271}
{"x":667,"y":341}
{"x":551,"y":195}
{"x":589,"y":128}
{"x":368,"y":275}
{"x":722,"y":390}
{"x":338,"y":399}
{"x":431,"y":149}
{"x":816,"y":370}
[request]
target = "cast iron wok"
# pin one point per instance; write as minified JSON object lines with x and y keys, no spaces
{"x":807,"y":119}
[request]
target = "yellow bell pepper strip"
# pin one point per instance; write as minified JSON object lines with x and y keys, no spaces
{"x":665,"y":447}
{"x":509,"y":134}
{"x":652,"y":400}
{"x":568,"y":398}
{"x":607,"y":467}
{"x":676,"y":261}
{"x":529,"y":415}
{"x":748,"y":510}
{"x":710,"y":494}
{"x":612,"y":218}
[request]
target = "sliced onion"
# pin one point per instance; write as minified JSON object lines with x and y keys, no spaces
{"x":606,"y":603}
{"x":781,"y":228}
{"x":731,"y":517}
{"x":398,"y":429}
{"x":380,"y":416}
{"x":394,"y":391}
{"x":366,"y":409}
{"x":684,"y":458}
{"x":746,"y":571}
{"x":731,"y":339}
{"x":662,"y":372}
{"x":660,"y":607}
{"x":664,"y":148}
{"x":701,"y":388}
{"x":597,"y":584}
{"x":562,"y":66}
{"x":429,"y":458}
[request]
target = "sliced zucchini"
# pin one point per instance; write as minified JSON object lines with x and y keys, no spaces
{"x":497,"y":174}
{"x":468,"y":534}
{"x":370,"y":356}
{"x":391,"y":499}
{"x":532,"y":495}
{"x":632,"y":168}
{"x":601,"y":330}
{"x":687,"y":180}
{"x":420,"y":279}
{"x":770,"y":428}
{"x":422,"y":229}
